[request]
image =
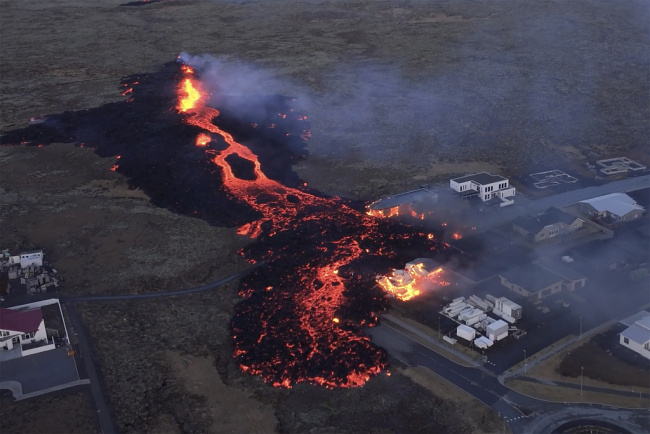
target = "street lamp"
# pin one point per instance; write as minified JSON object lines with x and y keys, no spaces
{"x":580,"y":326}
{"x":525,"y":362}
{"x":581,"y":372}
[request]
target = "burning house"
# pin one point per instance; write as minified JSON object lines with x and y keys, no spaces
{"x":418,"y":276}
{"x":485,"y":186}
{"x":417,"y":204}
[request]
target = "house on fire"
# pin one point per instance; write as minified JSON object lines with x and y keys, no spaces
{"x":23,"y":330}
{"x":417,"y":203}
{"x":489,"y":188}
{"x":537,"y":281}
{"x":613,"y":208}
{"x":552,"y":223}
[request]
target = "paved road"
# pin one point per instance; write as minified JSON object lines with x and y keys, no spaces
{"x":97,"y":387}
{"x":523,"y":413}
{"x":99,"y":298}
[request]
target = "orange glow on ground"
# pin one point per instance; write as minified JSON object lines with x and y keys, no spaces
{"x":203,"y":139}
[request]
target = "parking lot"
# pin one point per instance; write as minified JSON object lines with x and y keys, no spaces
{"x":41,"y":371}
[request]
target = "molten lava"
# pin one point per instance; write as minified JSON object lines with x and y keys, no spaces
{"x":303,"y":313}
{"x":189,"y":96}
{"x":203,"y":139}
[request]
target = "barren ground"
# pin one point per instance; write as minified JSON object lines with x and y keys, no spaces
{"x":397,"y":93}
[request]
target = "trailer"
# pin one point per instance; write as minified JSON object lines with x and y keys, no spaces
{"x":497,"y":330}
{"x":483,"y":342}
{"x":476,"y":319}
{"x":465,"y":332}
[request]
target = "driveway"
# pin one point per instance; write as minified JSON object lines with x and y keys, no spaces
{"x":40,"y":371}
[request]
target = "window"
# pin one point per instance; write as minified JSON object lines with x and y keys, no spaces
{"x":626,"y":340}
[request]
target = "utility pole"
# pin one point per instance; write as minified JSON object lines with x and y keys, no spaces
{"x":439,"y":336}
{"x":581,"y":372}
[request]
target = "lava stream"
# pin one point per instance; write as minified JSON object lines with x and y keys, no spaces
{"x":290,"y":329}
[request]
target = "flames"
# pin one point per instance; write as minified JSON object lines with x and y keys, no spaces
{"x":407,"y":284}
{"x":189,"y":95}
{"x":302,"y":316}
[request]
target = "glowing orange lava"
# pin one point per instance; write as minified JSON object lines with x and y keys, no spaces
{"x":457,"y":236}
{"x":189,"y":96}
{"x":279,"y":211}
{"x":203,"y":139}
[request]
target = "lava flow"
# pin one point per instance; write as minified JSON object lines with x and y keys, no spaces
{"x":304,"y":312}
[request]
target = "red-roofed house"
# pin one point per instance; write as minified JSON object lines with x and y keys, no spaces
{"x":18,"y":327}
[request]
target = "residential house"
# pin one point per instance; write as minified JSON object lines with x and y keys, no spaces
{"x":417,"y":203}
{"x":535,"y":281}
{"x":484,"y":185}
{"x":637,"y":336}
{"x":552,"y":223}
{"x":21,"y":327}
{"x":614,"y":208}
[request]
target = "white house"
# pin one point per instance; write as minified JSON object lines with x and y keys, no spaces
{"x":616,"y":207}
{"x":484,"y":185}
{"x":20,"y":327}
{"x":31,"y":258}
{"x":637,"y":337}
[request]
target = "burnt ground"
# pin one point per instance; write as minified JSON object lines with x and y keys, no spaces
{"x":397,"y":94}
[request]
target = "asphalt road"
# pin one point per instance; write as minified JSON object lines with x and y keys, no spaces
{"x":523,"y":413}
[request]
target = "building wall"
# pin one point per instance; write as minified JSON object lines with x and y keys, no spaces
{"x":632,"y":215}
{"x":636,"y":347}
{"x":515,"y":288}
{"x":545,"y":234}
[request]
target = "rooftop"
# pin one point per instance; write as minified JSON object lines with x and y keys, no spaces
{"x":408,"y":197}
{"x":637,"y":333}
{"x":25,"y":321}
{"x":481,"y":178}
{"x":531,"y":277}
{"x":616,"y":203}
{"x":550,"y":217}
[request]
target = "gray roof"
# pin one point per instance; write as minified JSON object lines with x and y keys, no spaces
{"x":482,"y":178}
{"x":531,"y":277}
{"x":403,"y":199}
{"x":615,"y":203}
{"x":535,"y":224}
{"x":562,"y":269}
{"x":634,"y":318}
{"x":637,"y":333}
